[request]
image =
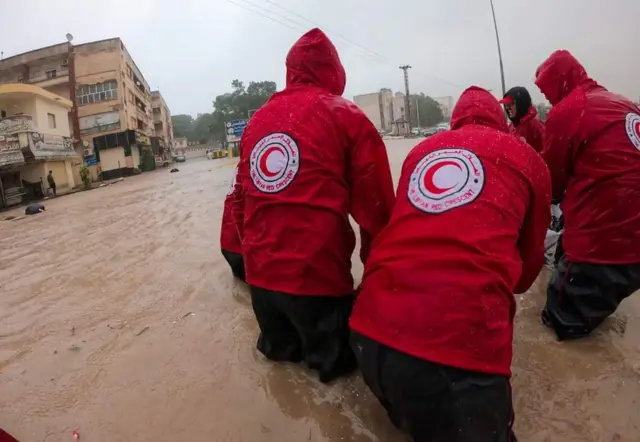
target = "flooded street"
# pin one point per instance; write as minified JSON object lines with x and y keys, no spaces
{"x":120,"y":319}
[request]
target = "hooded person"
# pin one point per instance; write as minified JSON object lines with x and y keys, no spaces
{"x":524,"y":117}
{"x":432,"y":327}
{"x":309,"y":159}
{"x":230,"y":244}
{"x":592,"y":148}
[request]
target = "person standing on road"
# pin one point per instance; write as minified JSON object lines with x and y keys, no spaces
{"x":525,"y":123}
{"x":52,"y":182}
{"x":592,"y":148}
{"x":432,"y":327}
{"x":309,"y":158}
{"x":229,"y":237}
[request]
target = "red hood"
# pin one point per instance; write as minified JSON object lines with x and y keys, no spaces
{"x":313,"y":59}
{"x":560,"y":74}
{"x":478,"y":106}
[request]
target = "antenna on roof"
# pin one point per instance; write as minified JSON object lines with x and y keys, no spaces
{"x":69,"y":37}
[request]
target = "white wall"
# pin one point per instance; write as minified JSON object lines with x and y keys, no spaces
{"x":45,"y":107}
{"x":59,"y":174}
{"x":109,"y":158}
{"x":135,"y":155}
{"x":34,"y":172}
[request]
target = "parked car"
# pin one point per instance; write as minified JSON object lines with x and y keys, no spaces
{"x":441,"y":127}
{"x":162,"y":162}
{"x":429,"y":131}
{"x":181,"y":159}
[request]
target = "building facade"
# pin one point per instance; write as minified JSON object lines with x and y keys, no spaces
{"x":162,"y":141}
{"x":180,"y":145}
{"x":446,"y":105}
{"x":383,"y":108}
{"x":35,"y":139}
{"x":109,"y":94}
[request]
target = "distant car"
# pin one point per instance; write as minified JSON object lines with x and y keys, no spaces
{"x":443,"y":127}
{"x":161,"y":162}
{"x":429,"y":131}
{"x":180,"y":159}
{"x":416,"y":132}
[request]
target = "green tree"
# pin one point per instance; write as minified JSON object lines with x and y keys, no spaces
{"x":430,"y":112}
{"x":181,"y":125}
{"x":237,"y":104}
{"x":201,"y":128}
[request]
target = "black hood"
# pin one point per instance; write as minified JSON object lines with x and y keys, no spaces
{"x":521,"y":97}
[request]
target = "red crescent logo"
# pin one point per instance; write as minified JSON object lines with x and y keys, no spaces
{"x":637,"y":128}
{"x":263,"y":161}
{"x":428,"y":177}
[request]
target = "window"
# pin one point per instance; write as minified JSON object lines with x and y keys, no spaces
{"x":51,"y":73}
{"x":132,"y":97}
{"x":129,"y":72}
{"x":94,"y":93}
{"x":134,"y":122}
{"x":52,"y":121}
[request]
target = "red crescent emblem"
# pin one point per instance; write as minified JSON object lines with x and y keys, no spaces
{"x":263,"y":161}
{"x":636,"y":128}
{"x":428,"y":177}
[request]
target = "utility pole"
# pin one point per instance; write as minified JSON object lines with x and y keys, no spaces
{"x":407,"y":102}
{"x":495,"y":25}
{"x":418,"y":112}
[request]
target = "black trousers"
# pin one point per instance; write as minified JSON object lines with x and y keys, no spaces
{"x":436,"y":403}
{"x":580,"y":296}
{"x":236,"y":262}
{"x":309,"y":329}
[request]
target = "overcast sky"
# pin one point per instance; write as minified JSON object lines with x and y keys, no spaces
{"x":192,"y":49}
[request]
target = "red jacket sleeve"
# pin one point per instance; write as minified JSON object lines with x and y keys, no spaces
{"x":560,"y":140}
{"x":534,"y":229}
{"x":533,"y":134}
{"x":237,"y":202}
{"x":369,"y":177}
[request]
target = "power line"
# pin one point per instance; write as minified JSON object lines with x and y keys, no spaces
{"x":262,"y":11}
{"x":265,"y":15}
{"x":337,"y":34}
{"x":301,"y":27}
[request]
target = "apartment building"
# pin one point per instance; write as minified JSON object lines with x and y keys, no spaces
{"x":162,"y":141}
{"x":111,"y":118}
{"x":35,"y":141}
{"x":384,"y":108}
{"x":446,"y":105}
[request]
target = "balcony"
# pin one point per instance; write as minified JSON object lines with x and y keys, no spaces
{"x":49,"y":78}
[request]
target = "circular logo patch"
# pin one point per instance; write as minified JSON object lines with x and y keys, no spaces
{"x":232,"y":187}
{"x":446,"y":179}
{"x":274,"y":162}
{"x":633,"y":129}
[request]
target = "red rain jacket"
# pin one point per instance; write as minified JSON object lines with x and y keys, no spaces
{"x":309,"y":158}
{"x":592,"y":147}
{"x":466,"y":232}
{"x":530,"y":129}
{"x":229,"y":238}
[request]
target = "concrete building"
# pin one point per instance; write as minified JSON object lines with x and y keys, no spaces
{"x":162,"y":140}
{"x":110,"y":95}
{"x":35,"y":139}
{"x":180,"y":145}
{"x":383,"y":108}
{"x":446,"y":104}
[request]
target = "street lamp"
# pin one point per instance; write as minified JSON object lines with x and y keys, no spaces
{"x":495,"y":24}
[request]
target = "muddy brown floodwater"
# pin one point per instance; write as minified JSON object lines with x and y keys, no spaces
{"x":119,"y":318}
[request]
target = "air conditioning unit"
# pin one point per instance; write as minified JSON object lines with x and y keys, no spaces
{"x":65,"y":63}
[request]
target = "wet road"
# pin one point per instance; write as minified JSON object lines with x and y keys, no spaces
{"x":120,"y":319}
